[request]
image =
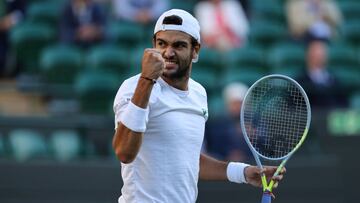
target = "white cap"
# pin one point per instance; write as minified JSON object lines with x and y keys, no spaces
{"x":189,"y":24}
{"x":235,"y":92}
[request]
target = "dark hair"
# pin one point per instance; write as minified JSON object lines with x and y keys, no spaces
{"x":176,"y":20}
{"x":172,"y":20}
{"x":193,"y":42}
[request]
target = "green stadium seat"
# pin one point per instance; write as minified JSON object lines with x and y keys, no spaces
{"x":60,"y":64}
{"x":27,"y":144}
{"x":125,"y":34}
{"x":355,"y":100}
{"x":47,"y":12}
{"x":88,"y":147}
{"x":96,"y":91}
{"x":348,"y":78}
{"x":342,"y":55}
{"x":42,"y":1}
{"x":211,"y":59}
{"x":206,"y":77}
{"x":2,"y":145}
{"x":65,"y":145}
{"x":109,"y":58}
{"x":186,"y":5}
{"x":216,"y":104}
{"x":27,"y":42}
{"x":344,"y":71}
{"x":246,"y":76}
{"x":238,"y":69}
{"x":291,"y":72}
{"x":286,"y":58}
{"x":350,"y":9}
{"x":249,"y":56}
{"x":135,"y":60}
{"x":351,"y":32}
{"x":270,"y":11}
{"x":266,"y":34}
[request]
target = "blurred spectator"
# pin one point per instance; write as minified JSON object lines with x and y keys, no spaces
{"x":83,"y":23}
{"x":11,"y":13}
{"x":223,"y":24}
{"x":320,"y":85}
{"x":246,"y":5}
{"x":313,"y":19}
{"x":224,"y":138}
{"x":140,"y":11}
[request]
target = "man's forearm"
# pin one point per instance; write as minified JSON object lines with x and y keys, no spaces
{"x":128,"y":136}
{"x":126,"y":143}
{"x":212,"y":169}
{"x":142,"y":93}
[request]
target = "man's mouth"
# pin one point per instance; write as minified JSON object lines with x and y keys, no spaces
{"x":170,"y":64}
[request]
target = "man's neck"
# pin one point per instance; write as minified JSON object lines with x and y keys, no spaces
{"x":178,"y":83}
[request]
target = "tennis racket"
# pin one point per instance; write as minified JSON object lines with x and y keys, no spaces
{"x":275,"y":119}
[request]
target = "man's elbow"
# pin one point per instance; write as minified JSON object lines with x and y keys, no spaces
{"x":124,"y":157}
{"x":126,"y":144}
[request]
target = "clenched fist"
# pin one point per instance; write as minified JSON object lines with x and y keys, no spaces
{"x":153,"y":64}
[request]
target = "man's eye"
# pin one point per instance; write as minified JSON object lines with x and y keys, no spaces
{"x":180,"y":45}
{"x":160,"y":43}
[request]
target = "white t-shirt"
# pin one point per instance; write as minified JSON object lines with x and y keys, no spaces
{"x":166,"y":169}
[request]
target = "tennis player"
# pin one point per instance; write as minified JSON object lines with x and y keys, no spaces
{"x":160,"y":116}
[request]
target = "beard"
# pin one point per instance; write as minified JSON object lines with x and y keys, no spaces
{"x":182,"y":71}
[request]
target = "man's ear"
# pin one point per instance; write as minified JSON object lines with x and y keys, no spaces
{"x":196,"y":52}
{"x":154,"y":41}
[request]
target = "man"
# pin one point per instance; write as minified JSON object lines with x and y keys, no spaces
{"x":224,"y":138}
{"x":217,"y":30}
{"x":323,"y":89}
{"x":160,"y":118}
{"x":11,"y":13}
{"x":143,"y":12}
{"x":310,"y":19}
{"x":83,"y":23}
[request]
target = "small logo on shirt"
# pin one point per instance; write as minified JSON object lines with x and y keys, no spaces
{"x":205,"y":113}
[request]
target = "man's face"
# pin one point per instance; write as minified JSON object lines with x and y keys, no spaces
{"x":234,"y":107}
{"x":176,"y":49}
{"x":317,"y":55}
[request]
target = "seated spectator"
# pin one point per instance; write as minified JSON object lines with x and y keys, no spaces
{"x":320,"y":85}
{"x":223,"y":135}
{"x":223,"y":24}
{"x":141,"y":11}
{"x":11,"y":13}
{"x":246,"y":5}
{"x":309,"y":19}
{"x":83,"y":23}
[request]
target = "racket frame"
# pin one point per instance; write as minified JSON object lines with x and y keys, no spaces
{"x":256,"y":154}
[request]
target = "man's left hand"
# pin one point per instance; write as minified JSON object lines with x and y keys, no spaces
{"x":253,"y":175}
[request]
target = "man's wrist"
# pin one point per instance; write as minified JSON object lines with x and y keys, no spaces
{"x":153,"y":81}
{"x":236,"y":172}
{"x":135,"y":118}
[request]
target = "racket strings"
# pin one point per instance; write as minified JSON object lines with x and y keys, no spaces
{"x":275,"y":116}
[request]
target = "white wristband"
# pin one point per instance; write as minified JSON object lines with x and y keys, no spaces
{"x":134,"y":118}
{"x":235,"y":172}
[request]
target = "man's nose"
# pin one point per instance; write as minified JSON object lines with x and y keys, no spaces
{"x":169,"y":52}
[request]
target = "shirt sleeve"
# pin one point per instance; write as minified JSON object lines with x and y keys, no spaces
{"x":123,"y":98}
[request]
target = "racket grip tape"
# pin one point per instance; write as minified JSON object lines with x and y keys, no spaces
{"x":272,"y":182}
{"x":266,"y":198}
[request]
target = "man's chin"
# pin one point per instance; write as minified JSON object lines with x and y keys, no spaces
{"x":175,"y":73}
{"x":169,"y":73}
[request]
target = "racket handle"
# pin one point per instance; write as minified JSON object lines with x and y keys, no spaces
{"x":266,"y":198}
